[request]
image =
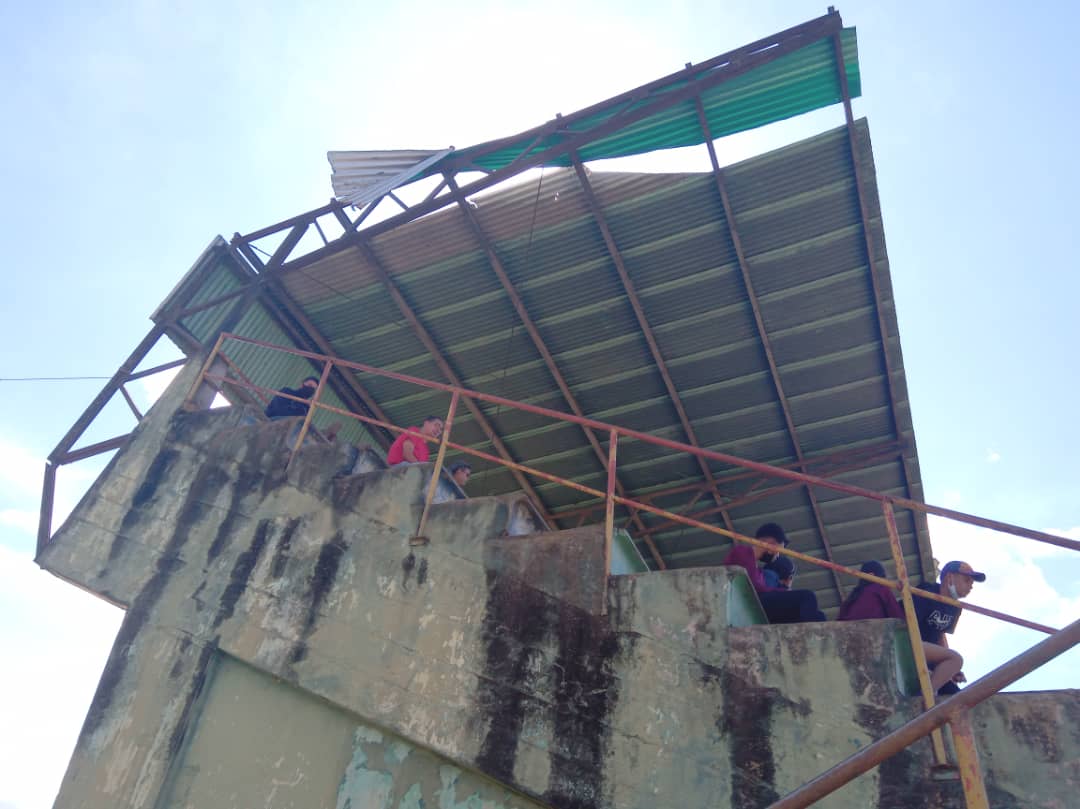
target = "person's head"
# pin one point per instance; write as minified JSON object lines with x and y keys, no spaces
{"x":432,"y":427}
{"x":311,"y":382}
{"x":874,"y":568}
{"x":957,"y":578}
{"x":460,"y":472}
{"x":784,"y":568}
{"x":773,"y":534}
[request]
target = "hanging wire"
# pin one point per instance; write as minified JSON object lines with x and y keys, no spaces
{"x":513,"y":328}
{"x":49,"y":378}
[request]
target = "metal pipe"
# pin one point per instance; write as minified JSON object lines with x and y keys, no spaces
{"x":872,"y":755}
{"x":914,"y":635}
{"x":609,"y":509}
{"x":310,"y":412}
{"x":765,"y":469}
{"x":433,"y":485}
{"x":967,"y":761}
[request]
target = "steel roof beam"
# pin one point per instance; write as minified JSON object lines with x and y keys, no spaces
{"x":292,"y":319}
{"x":686,"y":85}
{"x":875,"y":278}
{"x":451,"y":376}
{"x":541,"y":346}
{"x":763,"y":335}
{"x":643,"y":323}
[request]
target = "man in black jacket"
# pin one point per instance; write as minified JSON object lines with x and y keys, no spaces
{"x":283,"y":408}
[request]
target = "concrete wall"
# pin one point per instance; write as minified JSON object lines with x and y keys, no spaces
{"x":505,"y":656}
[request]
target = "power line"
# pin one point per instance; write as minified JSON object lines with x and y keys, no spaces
{"x":49,"y":378}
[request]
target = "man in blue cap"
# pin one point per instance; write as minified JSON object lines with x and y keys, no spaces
{"x":937,"y":619}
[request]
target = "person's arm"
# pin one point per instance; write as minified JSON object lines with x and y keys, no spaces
{"x":407,"y":451}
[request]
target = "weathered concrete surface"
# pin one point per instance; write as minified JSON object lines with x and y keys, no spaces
{"x":502,"y":655}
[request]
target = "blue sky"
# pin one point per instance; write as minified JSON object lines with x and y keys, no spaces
{"x":136,"y":133}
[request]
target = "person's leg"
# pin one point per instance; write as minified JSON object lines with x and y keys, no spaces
{"x":944,"y":664}
{"x":790,"y":606}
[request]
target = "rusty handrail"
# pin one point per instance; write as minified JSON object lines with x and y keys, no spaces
{"x":986,"y":686}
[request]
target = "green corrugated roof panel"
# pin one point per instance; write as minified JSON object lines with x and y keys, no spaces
{"x":800,"y":82}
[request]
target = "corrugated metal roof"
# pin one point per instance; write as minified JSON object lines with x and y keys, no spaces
{"x":797,"y":214}
{"x":360,"y":177}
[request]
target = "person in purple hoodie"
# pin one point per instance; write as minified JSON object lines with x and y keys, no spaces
{"x":781,"y":606}
{"x":870,"y":599}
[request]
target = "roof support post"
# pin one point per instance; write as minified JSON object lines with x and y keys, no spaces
{"x":451,"y":376}
{"x":875,"y":278}
{"x":763,"y":335}
{"x":639,"y":312}
{"x":541,"y":347}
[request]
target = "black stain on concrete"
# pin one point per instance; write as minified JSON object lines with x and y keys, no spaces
{"x":283,"y":549}
{"x":421,"y":572}
{"x":515,"y":621}
{"x":154,"y":477}
{"x":586,"y":690}
{"x":178,"y":662}
{"x":241,"y":573}
{"x":407,"y":565}
{"x":195,"y":689}
{"x":207,"y":480}
{"x":322,"y":580}
{"x":746,"y":721}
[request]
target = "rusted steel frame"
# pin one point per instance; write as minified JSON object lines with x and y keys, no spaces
{"x":912,"y":621}
{"x":534,"y":334}
{"x":967,"y":761}
{"x":763,"y":334}
{"x":440,"y":456}
{"x":701,"y":77}
{"x":93,"y":449}
{"x":157,"y":369}
{"x":754,"y":497}
{"x":48,"y":497}
{"x":397,"y":199}
{"x":310,"y":412}
{"x":444,"y":366}
{"x":204,"y":372}
{"x":609,"y":509}
{"x":236,"y":370}
{"x":435,"y":191}
{"x":107,"y":391}
{"x":736,"y":61}
{"x":643,"y":323}
{"x":130,"y":402}
{"x":210,"y":304}
{"x":721,"y":457}
{"x":303,"y":331}
{"x":322,"y":235}
{"x":875,"y":273}
{"x":287,"y":245}
{"x":888,"y":746}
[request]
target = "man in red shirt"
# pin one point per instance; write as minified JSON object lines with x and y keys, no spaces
{"x":411,"y":445}
{"x":781,"y":606}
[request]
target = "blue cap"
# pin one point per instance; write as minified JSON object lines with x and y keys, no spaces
{"x":959,"y":567}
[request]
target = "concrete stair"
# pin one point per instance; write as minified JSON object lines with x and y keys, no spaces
{"x":498,"y":650}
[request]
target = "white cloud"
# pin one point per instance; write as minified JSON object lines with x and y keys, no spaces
{"x":21,"y":519}
{"x":61,"y":636}
{"x":992,"y":456}
{"x":1016,"y":584}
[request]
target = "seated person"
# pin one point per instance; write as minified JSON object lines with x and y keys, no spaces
{"x":282,"y":408}
{"x":870,"y":599}
{"x":411,"y":445}
{"x":780,"y":572}
{"x":937,"y":619}
{"x":781,"y":606}
{"x":460,"y":472}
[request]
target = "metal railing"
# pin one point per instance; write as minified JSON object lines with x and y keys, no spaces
{"x":954,"y":711}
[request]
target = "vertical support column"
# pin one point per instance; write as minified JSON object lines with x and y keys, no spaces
{"x":967,"y":758}
{"x":433,"y":485}
{"x":311,"y":411}
{"x":609,"y":507}
{"x":913,"y":627}
{"x":48,"y":493}
{"x":189,"y":400}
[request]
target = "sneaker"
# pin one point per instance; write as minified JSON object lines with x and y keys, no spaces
{"x":948,"y":690}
